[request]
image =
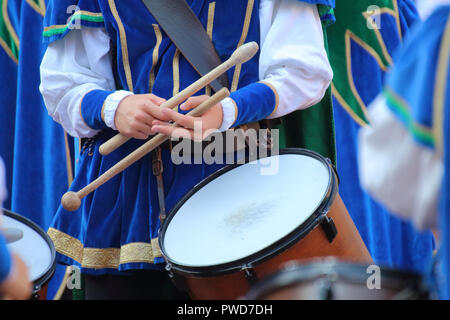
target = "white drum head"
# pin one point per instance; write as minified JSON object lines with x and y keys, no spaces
{"x":32,"y":248}
{"x":243,"y":212}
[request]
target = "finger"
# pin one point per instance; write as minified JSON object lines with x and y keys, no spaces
{"x":193,"y":102}
{"x":156,"y":100}
{"x":161,"y":123}
{"x":156,"y":112}
{"x":144,"y":117}
{"x":140,"y":131}
{"x":181,"y":119}
{"x":174,"y":132}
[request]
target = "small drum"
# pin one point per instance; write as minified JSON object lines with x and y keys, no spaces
{"x":334,"y":280}
{"x":241,"y":223}
{"x":36,"y":250}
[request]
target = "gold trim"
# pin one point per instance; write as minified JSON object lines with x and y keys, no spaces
{"x":277,"y":99}
{"x":124,"y":45}
{"x":406,"y":105}
{"x":155,"y":56}
{"x":236,"y":111}
{"x":77,"y":13}
{"x":397,"y":17}
{"x":211,"y":13}
{"x":248,"y":15}
{"x":347,"y":108}
{"x":380,"y":39}
{"x":11,"y":30}
{"x":176,"y":72}
{"x":95,"y":258}
{"x":8,"y":51}
{"x":348,"y":37}
{"x":440,"y":92}
{"x":38,"y":8}
{"x":68,"y":160}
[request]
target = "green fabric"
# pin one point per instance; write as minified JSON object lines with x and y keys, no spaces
{"x":358,"y":27}
{"x":311,"y":129}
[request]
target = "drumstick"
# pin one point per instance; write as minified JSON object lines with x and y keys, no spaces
{"x":240,"y":56}
{"x":71,"y":201}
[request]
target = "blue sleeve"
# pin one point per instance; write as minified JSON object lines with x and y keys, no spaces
{"x":423,"y":61}
{"x":254,"y":102}
{"x":92,"y":108}
{"x":64,"y":15}
{"x":5,"y":260}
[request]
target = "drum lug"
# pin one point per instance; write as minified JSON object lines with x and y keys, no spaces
{"x":179,"y":282}
{"x":329,"y":227}
{"x":250,"y":274}
{"x":36,"y":295}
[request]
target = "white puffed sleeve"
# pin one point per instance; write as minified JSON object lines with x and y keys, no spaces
{"x":70,"y":69}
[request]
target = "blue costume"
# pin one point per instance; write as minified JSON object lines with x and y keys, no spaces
{"x":5,"y":260}
{"x":422,"y":104}
{"x":36,"y":150}
{"x":116,"y":228}
{"x":391,"y":241}
{"x":9,"y":55}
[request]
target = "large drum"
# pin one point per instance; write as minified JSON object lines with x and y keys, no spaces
{"x":337,"y":280}
{"x":244,"y":221}
{"x":34,"y":247}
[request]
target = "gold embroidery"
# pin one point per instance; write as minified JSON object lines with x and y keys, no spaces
{"x":439,"y":91}
{"x":277,"y":99}
{"x":248,"y":15}
{"x":124,"y":45}
{"x":96,"y":258}
{"x":155,"y":56}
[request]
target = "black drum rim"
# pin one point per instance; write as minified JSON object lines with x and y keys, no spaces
{"x":47,"y":274}
{"x":267,"y":253}
{"x":332,"y":269}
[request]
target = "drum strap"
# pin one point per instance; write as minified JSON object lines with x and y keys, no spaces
{"x":157,"y":169}
{"x":187,"y":32}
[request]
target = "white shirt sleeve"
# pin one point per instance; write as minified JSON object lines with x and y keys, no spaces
{"x":293,"y":57}
{"x":398,"y":172}
{"x":293,"y":60}
{"x":68,"y":73}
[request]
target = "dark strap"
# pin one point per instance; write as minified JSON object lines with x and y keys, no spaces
{"x":186,"y":31}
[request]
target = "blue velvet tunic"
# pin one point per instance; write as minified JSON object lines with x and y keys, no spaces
{"x":117,"y":226}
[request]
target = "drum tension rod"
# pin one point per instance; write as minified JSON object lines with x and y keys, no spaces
{"x":329,"y":227}
{"x":250,"y":275}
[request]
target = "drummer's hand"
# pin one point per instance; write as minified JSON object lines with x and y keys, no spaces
{"x":135,"y":114}
{"x":17,"y":286}
{"x":209,"y":122}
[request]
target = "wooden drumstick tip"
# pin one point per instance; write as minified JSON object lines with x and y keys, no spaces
{"x":71,"y":201}
{"x":245,"y":52}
